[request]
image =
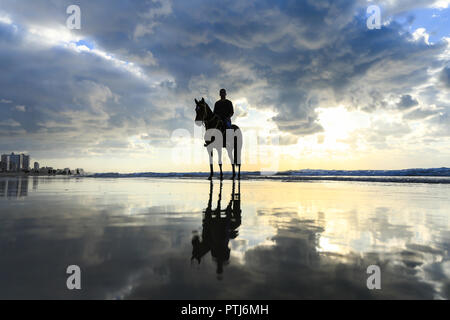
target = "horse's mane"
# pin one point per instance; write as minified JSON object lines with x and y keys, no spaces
{"x":208,"y":109}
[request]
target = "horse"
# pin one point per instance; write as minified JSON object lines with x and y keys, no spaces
{"x":218,"y":137}
{"x":218,"y":228}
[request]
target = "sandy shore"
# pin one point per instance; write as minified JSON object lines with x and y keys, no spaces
{"x":164,"y":238}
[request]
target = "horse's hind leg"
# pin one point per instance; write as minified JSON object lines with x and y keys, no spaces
{"x":238,"y":156}
{"x":230,"y":155}
{"x":211,"y":168}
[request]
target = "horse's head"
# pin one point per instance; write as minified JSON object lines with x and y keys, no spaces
{"x":201,"y":110}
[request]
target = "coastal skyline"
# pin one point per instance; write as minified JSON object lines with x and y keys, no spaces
{"x":312,"y":86}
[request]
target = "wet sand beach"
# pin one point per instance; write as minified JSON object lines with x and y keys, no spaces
{"x":148,"y":238}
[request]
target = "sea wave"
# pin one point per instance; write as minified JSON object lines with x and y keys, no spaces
{"x":428,"y":175}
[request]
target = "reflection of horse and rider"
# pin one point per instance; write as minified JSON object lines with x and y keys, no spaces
{"x":220,"y":132}
{"x":219,"y":226}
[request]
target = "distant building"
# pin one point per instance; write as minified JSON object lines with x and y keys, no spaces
{"x":46,"y":170}
{"x":15,"y":162}
{"x":5,"y":163}
{"x":21,"y":162}
{"x":25,"y":162}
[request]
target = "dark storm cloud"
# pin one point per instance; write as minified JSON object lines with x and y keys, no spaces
{"x":61,"y":97}
{"x":407,"y":102}
{"x":290,"y":57}
{"x":445,"y":77}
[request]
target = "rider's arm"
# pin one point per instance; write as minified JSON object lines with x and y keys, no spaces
{"x":231,"y":111}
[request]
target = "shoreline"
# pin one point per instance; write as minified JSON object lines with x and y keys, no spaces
{"x":248,"y":177}
{"x":23,"y":174}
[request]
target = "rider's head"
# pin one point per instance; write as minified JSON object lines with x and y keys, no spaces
{"x":223,"y":93}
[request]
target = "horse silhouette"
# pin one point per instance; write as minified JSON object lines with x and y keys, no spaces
{"x":219,"y":226}
{"x":218,"y":137}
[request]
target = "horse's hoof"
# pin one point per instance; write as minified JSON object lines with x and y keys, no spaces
{"x":210,"y":178}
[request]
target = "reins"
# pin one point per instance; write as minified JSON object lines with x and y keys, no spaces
{"x":205,"y":121}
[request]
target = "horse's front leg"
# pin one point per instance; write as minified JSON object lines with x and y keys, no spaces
{"x":219,"y":153}
{"x":211,"y":168}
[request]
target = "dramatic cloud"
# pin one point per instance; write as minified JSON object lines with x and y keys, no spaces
{"x":135,"y":67}
{"x":445,"y":77}
{"x":407,"y":102}
{"x":419,"y":113}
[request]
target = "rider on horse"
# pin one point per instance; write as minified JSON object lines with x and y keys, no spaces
{"x":224,"y":109}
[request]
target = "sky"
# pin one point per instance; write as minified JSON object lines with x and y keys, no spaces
{"x":312,"y":85}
